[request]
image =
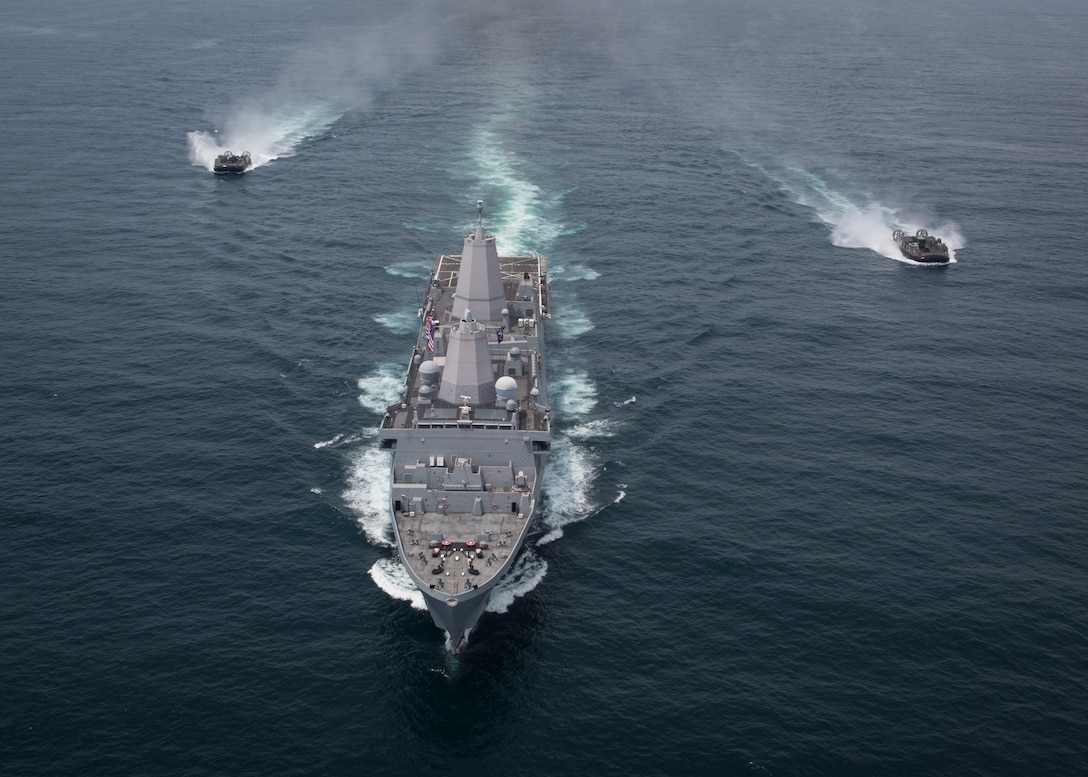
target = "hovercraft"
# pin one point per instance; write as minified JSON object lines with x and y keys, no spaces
{"x":922,"y":247}
{"x":232,"y":164}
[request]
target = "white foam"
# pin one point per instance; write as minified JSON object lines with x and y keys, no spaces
{"x":403,"y":323}
{"x":381,"y":388}
{"x":450,"y":648}
{"x":326,"y":443}
{"x":572,"y":470}
{"x":345,"y":439}
{"x":417,"y":269}
{"x":515,"y":221}
{"x":526,"y":575}
{"x":873,"y":227}
{"x":596,"y":429}
{"x":574,"y":272}
{"x":266,"y":133}
{"x":572,"y":324}
{"x":369,"y":484}
{"x":390,"y":575}
{"x":518,"y":219}
{"x":864,"y":229}
{"x":814,"y":192}
{"x":575,"y":393}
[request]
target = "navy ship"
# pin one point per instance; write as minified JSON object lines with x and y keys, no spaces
{"x":471,"y":432}
{"x":228,"y":163}
{"x":922,"y":247}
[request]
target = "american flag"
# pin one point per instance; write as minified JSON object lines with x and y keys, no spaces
{"x":428,"y":332}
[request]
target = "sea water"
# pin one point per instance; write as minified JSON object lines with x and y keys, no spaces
{"x":811,"y":508}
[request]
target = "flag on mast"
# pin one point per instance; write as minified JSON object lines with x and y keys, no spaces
{"x":428,"y":332}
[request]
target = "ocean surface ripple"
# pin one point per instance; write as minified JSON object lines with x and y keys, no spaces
{"x":812,"y":510}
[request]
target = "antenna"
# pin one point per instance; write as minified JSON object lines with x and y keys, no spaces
{"x":480,"y":211}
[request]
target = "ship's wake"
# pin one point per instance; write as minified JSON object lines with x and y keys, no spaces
{"x":367,"y":493}
{"x":573,"y":469}
{"x":390,"y":575}
{"x":873,"y":227}
{"x":856,"y":219}
{"x":528,"y":571}
{"x":267,"y":133}
{"x":574,"y":465}
{"x":337,"y":72}
{"x":382,"y":387}
{"x":517,"y":208}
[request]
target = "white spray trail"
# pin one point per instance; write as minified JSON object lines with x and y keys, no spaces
{"x":338,"y":72}
{"x":856,"y":221}
{"x":873,"y":229}
{"x":573,"y":465}
{"x":267,"y":132}
{"x":516,"y":217}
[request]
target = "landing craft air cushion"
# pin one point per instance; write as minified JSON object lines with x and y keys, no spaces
{"x":229,"y":163}
{"x":922,"y":247}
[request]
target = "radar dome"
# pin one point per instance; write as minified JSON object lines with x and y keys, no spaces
{"x":506,"y":387}
{"x":428,"y":372}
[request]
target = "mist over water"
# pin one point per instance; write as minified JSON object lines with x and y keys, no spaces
{"x":872,"y":229}
{"x":336,"y":72}
{"x":266,"y":132}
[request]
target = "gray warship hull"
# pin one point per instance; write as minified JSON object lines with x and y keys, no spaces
{"x":471,"y":434}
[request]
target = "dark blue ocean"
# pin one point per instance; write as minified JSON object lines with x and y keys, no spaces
{"x":812,"y":509}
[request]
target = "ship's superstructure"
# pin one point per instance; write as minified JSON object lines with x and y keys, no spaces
{"x":471,"y":432}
